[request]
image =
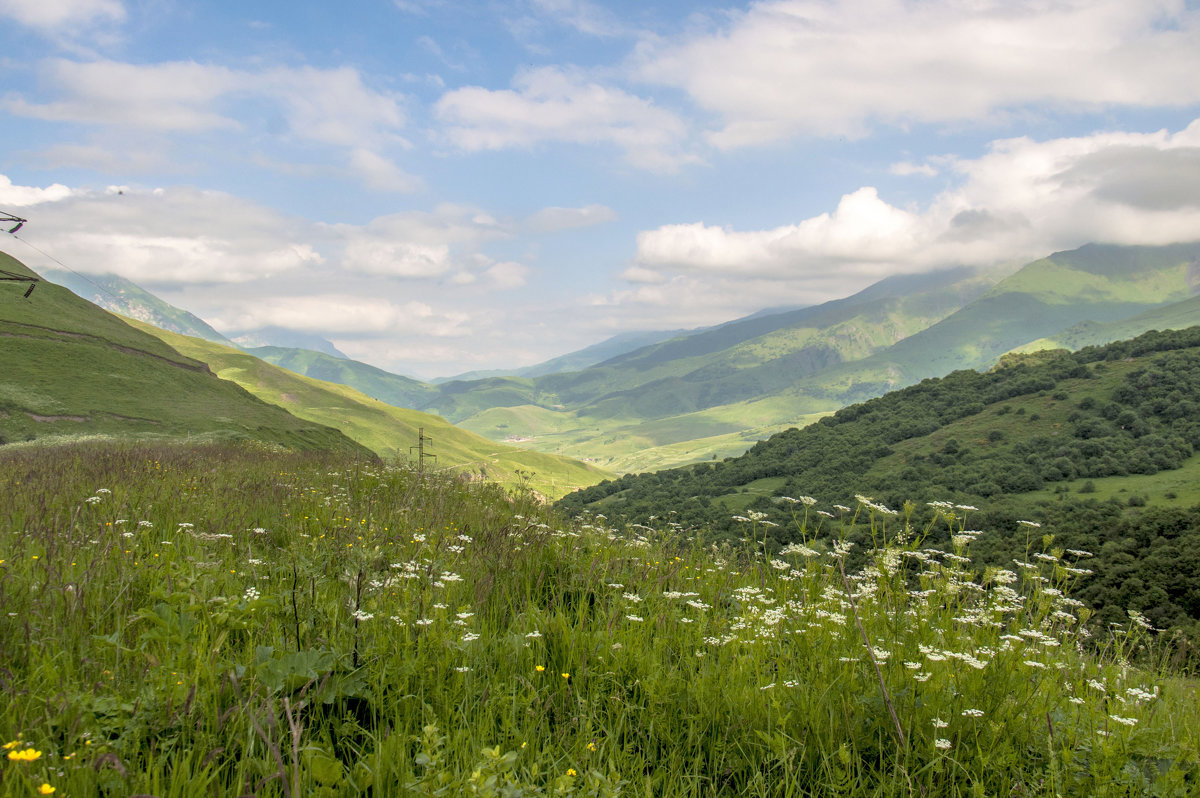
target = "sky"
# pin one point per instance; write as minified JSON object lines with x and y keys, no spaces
{"x":440,"y":186}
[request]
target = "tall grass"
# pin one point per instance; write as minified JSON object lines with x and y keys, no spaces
{"x":215,"y":620}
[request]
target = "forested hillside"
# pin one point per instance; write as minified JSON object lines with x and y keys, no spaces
{"x":1027,"y":439}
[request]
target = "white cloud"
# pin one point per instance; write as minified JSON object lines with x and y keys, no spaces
{"x":374,"y":255}
{"x":1021,"y":200}
{"x":162,"y":237}
{"x":551,"y":104}
{"x":553,"y":219}
{"x":325,"y":106}
{"x":508,"y":274}
{"x":583,"y":16}
{"x":342,"y":314}
{"x":419,"y":244}
{"x":380,"y":173}
{"x":108,"y":159}
{"x":907,"y":169}
{"x":12,"y":196}
{"x":842,"y":67}
{"x":54,"y":15}
{"x":862,"y":230}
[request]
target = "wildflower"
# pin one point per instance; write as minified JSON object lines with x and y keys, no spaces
{"x":534,"y":634}
{"x":1031,"y":524}
{"x":571,"y":772}
{"x":11,"y":745}
{"x":45,"y":789}
{"x":635,"y":618}
{"x":539,"y":668}
{"x":565,"y":675}
{"x":941,"y":743}
{"x":359,"y":615}
{"x":1124,"y":721}
{"x":972,"y":713}
{"x":938,"y":723}
{"x":25,"y":755}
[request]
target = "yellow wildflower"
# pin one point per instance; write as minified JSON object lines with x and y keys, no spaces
{"x":571,"y":772}
{"x":45,"y":789}
{"x":540,"y":668}
{"x":25,"y":755}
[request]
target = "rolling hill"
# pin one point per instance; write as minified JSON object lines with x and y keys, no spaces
{"x":71,"y":369}
{"x":385,"y":429}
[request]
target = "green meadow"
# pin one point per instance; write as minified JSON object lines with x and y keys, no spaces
{"x":234,"y":619}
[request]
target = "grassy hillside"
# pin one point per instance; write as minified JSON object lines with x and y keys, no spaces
{"x":71,"y":369}
{"x":374,"y":382}
{"x":387,"y":430}
{"x":199,"y":621}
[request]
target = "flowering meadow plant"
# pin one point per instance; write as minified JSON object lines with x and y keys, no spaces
{"x":230,"y":621}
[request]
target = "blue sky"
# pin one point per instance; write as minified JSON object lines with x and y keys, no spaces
{"x":438,"y":186}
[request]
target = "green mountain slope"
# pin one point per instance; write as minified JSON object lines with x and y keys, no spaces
{"x":387,"y":430}
{"x":1176,"y":316}
{"x":1096,"y":283}
{"x":374,"y":382}
{"x":72,"y":369}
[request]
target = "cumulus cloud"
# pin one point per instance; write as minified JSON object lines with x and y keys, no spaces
{"x":55,"y":15}
{"x":419,"y":244}
{"x":842,"y":67}
{"x":333,"y":106}
{"x":162,"y":237}
{"x":862,"y":230}
{"x":1021,"y":200}
{"x":342,"y":314}
{"x":552,"y":104}
{"x":19,"y":196}
{"x":554,"y":219}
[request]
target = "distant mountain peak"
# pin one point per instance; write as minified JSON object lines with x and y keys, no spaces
{"x":287,"y":339}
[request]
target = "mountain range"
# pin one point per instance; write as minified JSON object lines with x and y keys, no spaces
{"x":711,"y":393}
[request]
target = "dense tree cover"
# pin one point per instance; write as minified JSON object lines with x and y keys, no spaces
{"x":1147,"y":420}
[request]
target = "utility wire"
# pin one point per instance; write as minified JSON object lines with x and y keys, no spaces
{"x":85,"y":278}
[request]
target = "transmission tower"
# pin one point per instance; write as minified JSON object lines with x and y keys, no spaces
{"x":422,"y":438}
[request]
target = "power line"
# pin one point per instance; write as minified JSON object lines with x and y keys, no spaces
{"x":8,"y":217}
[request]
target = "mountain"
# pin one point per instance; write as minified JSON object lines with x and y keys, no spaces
{"x":286,"y":339}
{"x":387,"y":430}
{"x":579,"y":360}
{"x":124,"y":297}
{"x":72,"y":369}
{"x":374,"y":382}
{"x":1103,"y":284}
